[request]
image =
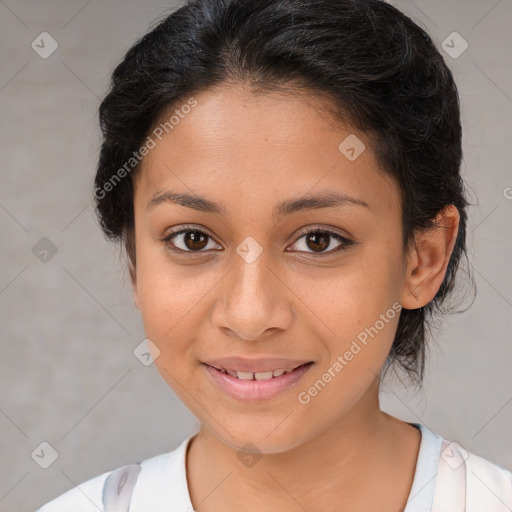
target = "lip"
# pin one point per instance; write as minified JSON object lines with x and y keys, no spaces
{"x":266,"y":364}
{"x":257,"y":390}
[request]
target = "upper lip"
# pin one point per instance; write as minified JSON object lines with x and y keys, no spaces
{"x":267,"y":364}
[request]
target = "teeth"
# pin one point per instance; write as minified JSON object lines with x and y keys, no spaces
{"x":258,"y":375}
{"x":263,"y":375}
{"x":245,"y":375}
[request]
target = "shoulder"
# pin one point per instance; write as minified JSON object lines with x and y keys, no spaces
{"x":85,"y":497}
{"x":89,"y":495}
{"x":487,"y":485}
{"x":466,"y":478}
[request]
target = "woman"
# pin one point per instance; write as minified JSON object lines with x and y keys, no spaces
{"x":285,"y":178}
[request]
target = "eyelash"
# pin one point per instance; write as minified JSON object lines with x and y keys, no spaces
{"x":346,"y":243}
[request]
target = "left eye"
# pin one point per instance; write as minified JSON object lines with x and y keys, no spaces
{"x":319,"y":241}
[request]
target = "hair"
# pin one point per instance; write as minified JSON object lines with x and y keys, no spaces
{"x":381,"y":72}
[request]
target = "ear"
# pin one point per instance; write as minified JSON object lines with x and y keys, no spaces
{"x":428,"y":258}
{"x":133,"y":279}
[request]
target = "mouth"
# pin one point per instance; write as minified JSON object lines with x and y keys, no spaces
{"x":256,"y":386}
{"x":266,"y":375}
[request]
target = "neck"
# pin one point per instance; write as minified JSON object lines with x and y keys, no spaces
{"x":363,"y":450}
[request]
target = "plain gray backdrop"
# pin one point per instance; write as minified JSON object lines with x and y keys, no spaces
{"x":69,"y":327}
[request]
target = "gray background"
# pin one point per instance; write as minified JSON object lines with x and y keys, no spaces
{"x":69,"y":327}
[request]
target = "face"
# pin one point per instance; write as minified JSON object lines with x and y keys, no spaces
{"x":238,"y":275}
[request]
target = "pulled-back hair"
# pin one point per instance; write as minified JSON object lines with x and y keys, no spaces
{"x":381,"y":71}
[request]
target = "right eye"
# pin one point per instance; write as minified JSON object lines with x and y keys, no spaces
{"x":191,"y":240}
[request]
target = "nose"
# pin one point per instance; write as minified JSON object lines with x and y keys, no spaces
{"x":254,"y":302}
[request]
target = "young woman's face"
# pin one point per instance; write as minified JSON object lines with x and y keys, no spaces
{"x":248,"y":282}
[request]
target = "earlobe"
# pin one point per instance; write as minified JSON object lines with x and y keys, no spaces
{"x":428,"y":258}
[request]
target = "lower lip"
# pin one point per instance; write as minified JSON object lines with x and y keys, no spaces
{"x":256,"y":390}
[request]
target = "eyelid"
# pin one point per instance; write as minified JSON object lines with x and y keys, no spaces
{"x":313,"y":228}
{"x":188,"y":227}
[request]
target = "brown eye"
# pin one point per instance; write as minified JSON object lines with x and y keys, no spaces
{"x":188,"y":240}
{"x":317,"y":241}
{"x":195,"y":240}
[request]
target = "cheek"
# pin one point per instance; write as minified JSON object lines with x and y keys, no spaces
{"x":172,"y":300}
{"x":170,"y":307}
{"x":162,"y":287}
{"x":346,"y":299}
{"x":362,"y":322}
{"x":356,"y":309}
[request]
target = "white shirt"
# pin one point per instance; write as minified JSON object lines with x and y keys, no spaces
{"x":447,"y":479}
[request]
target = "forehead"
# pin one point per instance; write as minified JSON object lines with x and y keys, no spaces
{"x":242,"y":144}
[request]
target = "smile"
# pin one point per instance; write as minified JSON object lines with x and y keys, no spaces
{"x":256,"y":375}
{"x":256,"y":386}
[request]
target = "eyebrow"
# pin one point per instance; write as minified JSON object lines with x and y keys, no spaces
{"x":325,"y":199}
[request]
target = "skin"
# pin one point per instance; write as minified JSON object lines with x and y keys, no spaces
{"x":248,"y":152}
